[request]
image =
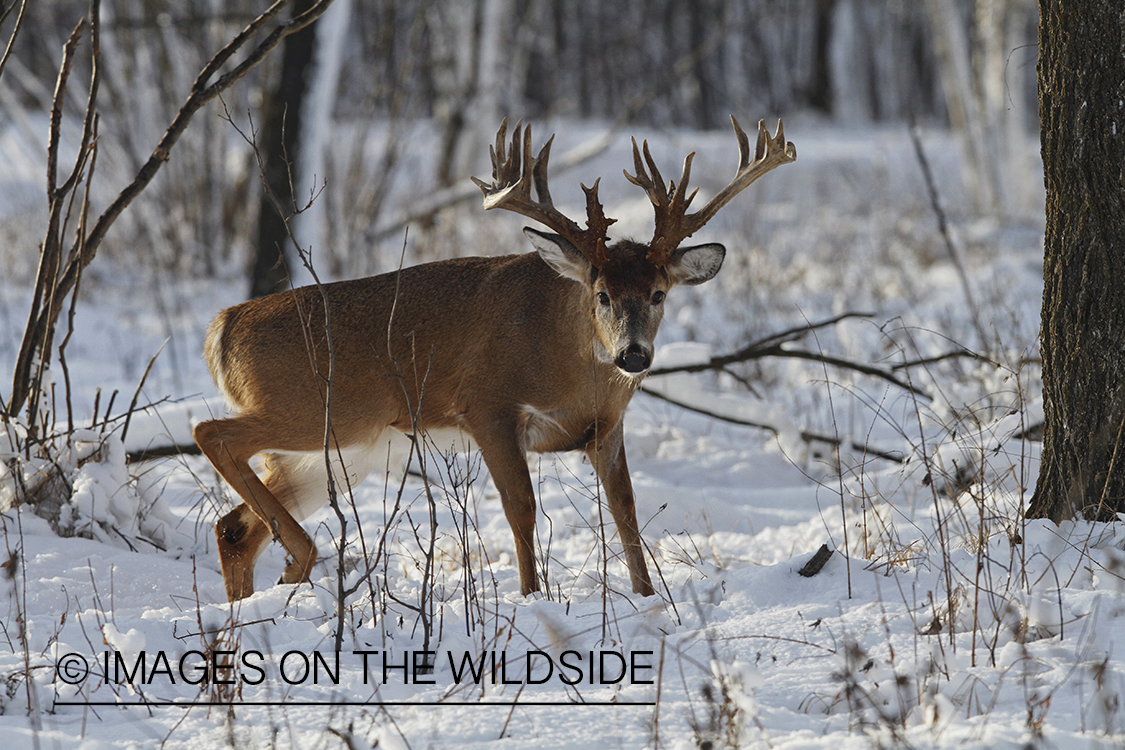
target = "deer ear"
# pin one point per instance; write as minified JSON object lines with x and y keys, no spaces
{"x":696,"y":264}
{"x":560,"y":254}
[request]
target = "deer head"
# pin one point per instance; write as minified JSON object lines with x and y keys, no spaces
{"x":627,"y":281}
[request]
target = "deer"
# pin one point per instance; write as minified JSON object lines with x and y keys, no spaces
{"x":538,"y":352}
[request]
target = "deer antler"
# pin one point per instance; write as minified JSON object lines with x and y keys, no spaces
{"x":673,"y":223}
{"x":512,"y":177}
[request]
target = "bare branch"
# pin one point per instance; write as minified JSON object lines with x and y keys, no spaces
{"x":845,"y":364}
{"x":772,"y":346}
{"x":45,"y":312}
{"x":760,"y":348}
{"x":15,"y":31}
{"x":806,"y":435}
{"x":955,"y":354}
{"x":51,"y":251}
{"x":798,"y":332}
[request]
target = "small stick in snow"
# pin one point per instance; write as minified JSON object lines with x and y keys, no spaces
{"x":813,"y":566}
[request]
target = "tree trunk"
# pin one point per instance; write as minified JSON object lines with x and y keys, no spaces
{"x":954,"y":56}
{"x":1081,"y":90}
{"x":820,"y":83}
{"x":278,"y":144}
{"x":454,"y":29}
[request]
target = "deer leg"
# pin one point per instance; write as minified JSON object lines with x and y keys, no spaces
{"x":508,"y":466}
{"x":607,"y":454}
{"x":242,"y":537}
{"x":229,"y":444}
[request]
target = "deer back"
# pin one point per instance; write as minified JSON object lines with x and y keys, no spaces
{"x":504,"y":335}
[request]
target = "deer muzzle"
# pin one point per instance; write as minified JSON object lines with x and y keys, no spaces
{"x":633,"y":359}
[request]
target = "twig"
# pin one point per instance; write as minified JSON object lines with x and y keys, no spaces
{"x":943,"y":228}
{"x":137,"y":393}
{"x":955,"y":354}
{"x":15,"y":32}
{"x":215,"y":631}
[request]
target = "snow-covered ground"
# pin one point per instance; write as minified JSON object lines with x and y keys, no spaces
{"x":942,"y":619}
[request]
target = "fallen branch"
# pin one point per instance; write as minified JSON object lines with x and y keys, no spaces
{"x":845,"y":364}
{"x":751,"y":351}
{"x":773,"y":346}
{"x":816,"y":562}
{"x":806,"y":435}
{"x":955,"y":354}
{"x":798,"y":332}
{"x":162,"y":451}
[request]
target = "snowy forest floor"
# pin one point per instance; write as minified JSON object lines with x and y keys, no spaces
{"x":943,"y":619}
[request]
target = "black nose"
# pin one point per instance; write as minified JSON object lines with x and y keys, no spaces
{"x":633,"y":359}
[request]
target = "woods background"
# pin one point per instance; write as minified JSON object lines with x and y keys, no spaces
{"x":383,"y":72}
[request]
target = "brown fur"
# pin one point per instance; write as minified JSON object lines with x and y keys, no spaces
{"x":480,"y":343}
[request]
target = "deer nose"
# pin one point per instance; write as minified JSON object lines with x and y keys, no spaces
{"x":633,"y":359}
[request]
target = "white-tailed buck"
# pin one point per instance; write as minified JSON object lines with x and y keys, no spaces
{"x":535,"y":352}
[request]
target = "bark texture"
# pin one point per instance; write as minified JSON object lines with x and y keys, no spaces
{"x":1082,"y":113}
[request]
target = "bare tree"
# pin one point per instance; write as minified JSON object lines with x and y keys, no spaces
{"x":61,"y":267}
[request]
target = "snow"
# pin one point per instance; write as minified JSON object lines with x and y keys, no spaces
{"x":943,"y":619}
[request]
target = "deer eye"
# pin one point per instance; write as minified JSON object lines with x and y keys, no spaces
{"x":658,"y":297}
{"x":603,"y":299}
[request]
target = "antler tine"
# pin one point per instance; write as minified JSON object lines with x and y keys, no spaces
{"x":501,"y":164}
{"x":496,"y":152}
{"x":521,"y":157}
{"x":769,"y":154}
{"x":678,"y":195}
{"x":640,"y":178}
{"x":654,"y":185}
{"x":673,"y":223}
{"x":597,"y":222}
{"x":657,"y":179}
{"x":512,"y":177}
{"x":744,"y":143}
{"x":539,"y":170}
